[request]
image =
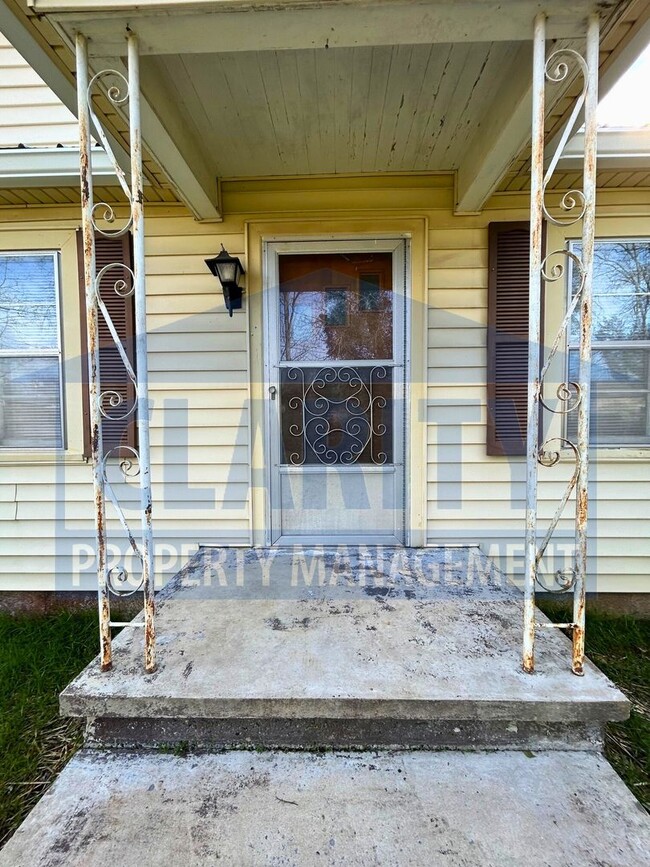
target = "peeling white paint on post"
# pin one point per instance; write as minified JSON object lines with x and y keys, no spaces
{"x":137,"y":213}
{"x":92,"y":316}
{"x":584,"y":375}
{"x":534,"y":334}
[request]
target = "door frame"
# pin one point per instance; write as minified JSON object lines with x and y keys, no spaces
{"x":258,"y":233}
{"x":399,"y":247}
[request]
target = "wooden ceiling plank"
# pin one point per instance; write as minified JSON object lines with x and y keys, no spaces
{"x":459,"y":119}
{"x":417,"y":78}
{"x":358,"y":98}
{"x":299,"y":124}
{"x":399,"y":82}
{"x":446,"y":87}
{"x":426,"y":104}
{"x":326,"y":106}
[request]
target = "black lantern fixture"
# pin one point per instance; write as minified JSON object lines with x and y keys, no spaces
{"x":228,"y":269}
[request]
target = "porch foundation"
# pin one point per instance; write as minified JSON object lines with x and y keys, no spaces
{"x":345,"y":648}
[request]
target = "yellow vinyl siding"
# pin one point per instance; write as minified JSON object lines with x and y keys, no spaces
{"x":473,"y":497}
{"x":200,"y":385}
{"x":199,"y":420}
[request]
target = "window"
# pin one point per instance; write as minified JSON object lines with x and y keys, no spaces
{"x":620,"y":370}
{"x":30,"y":352}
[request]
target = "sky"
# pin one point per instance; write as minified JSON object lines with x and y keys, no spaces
{"x":628,"y":102}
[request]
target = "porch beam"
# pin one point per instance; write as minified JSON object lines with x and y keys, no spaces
{"x":502,"y":134}
{"x":222,"y":26}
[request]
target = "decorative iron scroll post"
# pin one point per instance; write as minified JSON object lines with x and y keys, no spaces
{"x":572,"y":397}
{"x":109,"y":404}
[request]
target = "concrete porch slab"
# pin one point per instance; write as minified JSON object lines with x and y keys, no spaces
{"x":396,"y":634}
{"x":503,"y":809}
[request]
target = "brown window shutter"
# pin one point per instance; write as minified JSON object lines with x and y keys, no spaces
{"x":507,"y":338}
{"x":113,"y":376}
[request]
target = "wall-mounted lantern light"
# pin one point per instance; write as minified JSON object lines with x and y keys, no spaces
{"x":228,"y":270}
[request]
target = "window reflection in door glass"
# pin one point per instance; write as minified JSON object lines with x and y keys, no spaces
{"x":336,"y":306}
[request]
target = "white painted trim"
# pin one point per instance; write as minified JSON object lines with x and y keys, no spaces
{"x":617,"y":149}
{"x":38,"y":167}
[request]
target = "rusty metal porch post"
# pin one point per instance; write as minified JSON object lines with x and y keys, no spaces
{"x":134,"y":285}
{"x":577,"y":205}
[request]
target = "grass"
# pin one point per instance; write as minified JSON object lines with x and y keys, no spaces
{"x":620,"y":646}
{"x":40,"y":655}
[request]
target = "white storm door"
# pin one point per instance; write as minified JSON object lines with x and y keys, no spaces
{"x":336,"y":344}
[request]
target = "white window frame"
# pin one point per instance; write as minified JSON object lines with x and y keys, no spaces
{"x":607,"y":344}
{"x":51,"y":353}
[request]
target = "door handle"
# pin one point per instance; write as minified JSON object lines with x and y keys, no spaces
{"x":272,"y":392}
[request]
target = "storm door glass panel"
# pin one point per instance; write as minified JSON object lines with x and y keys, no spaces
{"x":336,"y":359}
{"x":336,"y":307}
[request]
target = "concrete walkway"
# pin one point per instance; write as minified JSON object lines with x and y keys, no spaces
{"x":504,"y":809}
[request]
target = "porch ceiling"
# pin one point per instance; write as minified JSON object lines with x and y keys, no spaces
{"x":341,"y":110}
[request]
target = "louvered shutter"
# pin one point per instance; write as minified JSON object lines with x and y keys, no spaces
{"x":113,"y":376}
{"x":507,"y":340}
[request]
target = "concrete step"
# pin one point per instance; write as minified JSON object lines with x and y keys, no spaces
{"x":382,"y":657}
{"x":503,"y":809}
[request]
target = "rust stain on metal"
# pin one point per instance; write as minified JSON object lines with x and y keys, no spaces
{"x":95,"y":440}
{"x":149,"y":635}
{"x":582,"y":507}
{"x":84,"y":171}
{"x":585,"y":323}
{"x":105,"y":630}
{"x":579,"y":481}
{"x":99,"y":514}
{"x":528,"y":664}
{"x":578,"y":639}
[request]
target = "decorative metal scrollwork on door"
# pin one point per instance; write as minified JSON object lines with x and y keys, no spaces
{"x":336,"y":416}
